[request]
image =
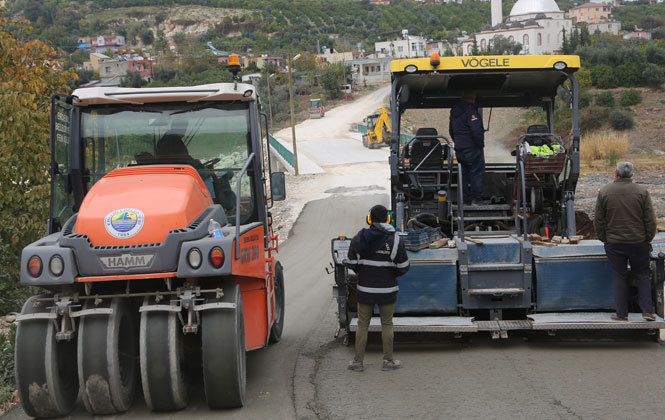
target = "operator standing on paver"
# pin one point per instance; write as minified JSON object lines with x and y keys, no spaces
{"x":468,"y":133}
{"x":378,"y":256}
{"x":625,"y":221}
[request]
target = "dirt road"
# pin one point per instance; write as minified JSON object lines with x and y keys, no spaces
{"x":304,"y":376}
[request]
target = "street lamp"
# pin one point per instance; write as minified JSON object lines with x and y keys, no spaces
{"x":293,"y":124}
{"x":269,"y":105}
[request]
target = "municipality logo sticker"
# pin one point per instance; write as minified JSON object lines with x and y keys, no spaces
{"x":124,"y":223}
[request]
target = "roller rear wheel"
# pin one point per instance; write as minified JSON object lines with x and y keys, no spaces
{"x":278,"y":325}
{"x":223,"y":346}
{"x":162,"y":368}
{"x":45,"y":368}
{"x":108,"y":358}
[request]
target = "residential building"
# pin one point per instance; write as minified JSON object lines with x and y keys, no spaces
{"x":145,"y":66}
{"x":95,"y":60}
{"x":371,"y":70}
{"x":604,"y":28}
{"x":591,"y":13}
{"x":537,"y":25}
{"x":102,"y":43}
{"x":113,"y":70}
{"x":408,"y":46}
{"x":329,"y":55}
{"x":439,"y":47}
{"x":638,"y":33}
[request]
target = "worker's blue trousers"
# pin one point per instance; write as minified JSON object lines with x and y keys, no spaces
{"x":473,"y":169}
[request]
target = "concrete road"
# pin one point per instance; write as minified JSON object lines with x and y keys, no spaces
{"x":305,"y":377}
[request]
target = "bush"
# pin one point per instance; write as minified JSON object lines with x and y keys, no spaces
{"x":584,"y":99}
{"x":654,"y":75}
{"x":593,"y":118}
{"x":630,"y":97}
{"x":7,"y":383}
{"x":605,"y":99}
{"x":621,"y":119}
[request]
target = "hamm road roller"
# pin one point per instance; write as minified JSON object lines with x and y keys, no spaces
{"x":160,"y":254}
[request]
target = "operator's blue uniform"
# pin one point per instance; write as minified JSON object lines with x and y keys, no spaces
{"x":468,"y":133}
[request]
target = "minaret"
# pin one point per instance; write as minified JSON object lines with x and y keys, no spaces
{"x":497,"y":14}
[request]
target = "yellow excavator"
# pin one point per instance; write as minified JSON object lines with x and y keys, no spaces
{"x":378,"y":130}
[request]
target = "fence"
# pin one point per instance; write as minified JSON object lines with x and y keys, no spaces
{"x":283,"y":151}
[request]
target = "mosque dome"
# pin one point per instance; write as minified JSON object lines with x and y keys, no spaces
{"x":524,"y":7}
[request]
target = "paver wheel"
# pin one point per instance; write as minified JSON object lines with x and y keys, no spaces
{"x":108,"y":357}
{"x":278,"y":326}
{"x":161,"y":353}
{"x":223,"y":345}
{"x":45,"y":369}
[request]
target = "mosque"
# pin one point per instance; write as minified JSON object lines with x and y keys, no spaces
{"x":536,"y":24}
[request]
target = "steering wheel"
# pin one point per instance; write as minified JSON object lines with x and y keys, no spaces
{"x":211,"y":163}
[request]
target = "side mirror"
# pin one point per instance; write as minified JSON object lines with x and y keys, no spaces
{"x":564,"y":94}
{"x":404,"y":95}
{"x":277,"y":186}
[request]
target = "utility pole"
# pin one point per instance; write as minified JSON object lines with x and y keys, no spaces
{"x":293,"y":124}
{"x":269,"y":104}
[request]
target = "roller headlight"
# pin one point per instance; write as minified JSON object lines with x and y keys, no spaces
{"x":194,"y":258}
{"x":35,"y":266}
{"x":56,"y":265}
{"x":411,"y":68}
{"x":217,"y":257}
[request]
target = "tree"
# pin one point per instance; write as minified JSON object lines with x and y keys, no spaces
{"x":331,"y":80}
{"x":133,"y":79}
{"x":30,"y":72}
{"x":501,"y":45}
{"x":654,"y":75}
{"x":147,"y":37}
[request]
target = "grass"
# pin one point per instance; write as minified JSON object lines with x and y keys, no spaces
{"x":603,"y":145}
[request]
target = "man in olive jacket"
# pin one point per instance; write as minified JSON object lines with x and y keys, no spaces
{"x":378,"y":256}
{"x":625,"y":221}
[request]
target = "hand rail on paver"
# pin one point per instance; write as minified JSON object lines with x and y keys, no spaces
{"x":283,"y":151}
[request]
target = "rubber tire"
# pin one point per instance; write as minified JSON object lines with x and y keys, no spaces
{"x":45,"y":369}
{"x":365,"y":141}
{"x":108,"y":358}
{"x":161,"y":351}
{"x":223,"y":348}
{"x":278,"y":325}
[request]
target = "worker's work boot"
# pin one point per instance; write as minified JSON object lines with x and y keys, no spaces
{"x":649,"y":317}
{"x":356,"y":365}
{"x":616,"y":317}
{"x":391,"y":364}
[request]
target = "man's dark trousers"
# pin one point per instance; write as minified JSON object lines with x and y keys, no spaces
{"x":473,"y":169}
{"x":618,"y":256}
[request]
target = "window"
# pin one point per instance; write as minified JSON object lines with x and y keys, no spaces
{"x":400,"y":49}
{"x":118,"y":136}
{"x":525,"y":40}
{"x":468,"y":49}
{"x":107,"y":69}
{"x":483,"y":44}
{"x":539,"y":39}
{"x":511,"y":38}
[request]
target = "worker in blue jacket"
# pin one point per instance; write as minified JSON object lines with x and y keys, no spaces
{"x":378,"y":256}
{"x":468,"y":133}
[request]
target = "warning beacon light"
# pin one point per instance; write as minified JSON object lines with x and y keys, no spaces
{"x":435,"y":60}
{"x":234,"y":65}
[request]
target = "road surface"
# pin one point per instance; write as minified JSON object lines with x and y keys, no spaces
{"x":304,"y":376}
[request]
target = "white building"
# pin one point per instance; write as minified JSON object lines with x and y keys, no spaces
{"x":537,"y":25}
{"x":408,"y":46}
{"x":371,"y":70}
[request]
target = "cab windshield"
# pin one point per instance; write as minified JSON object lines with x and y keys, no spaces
{"x":211,"y":137}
